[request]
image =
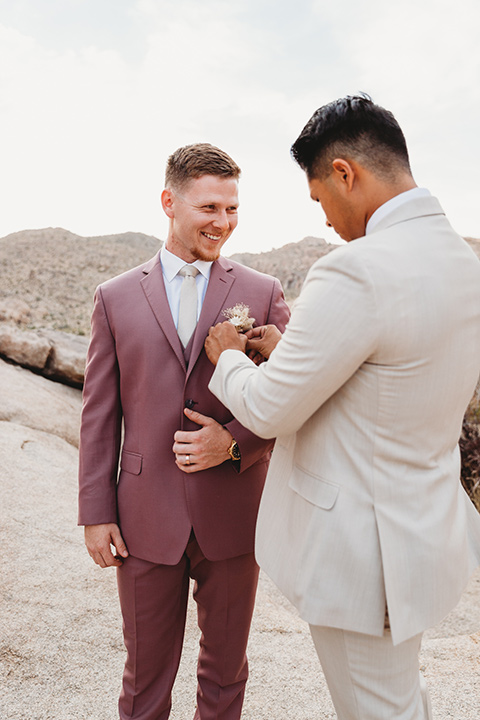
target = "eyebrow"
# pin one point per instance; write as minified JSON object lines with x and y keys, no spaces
{"x":212,"y":202}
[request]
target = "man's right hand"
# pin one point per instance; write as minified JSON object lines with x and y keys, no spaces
{"x":99,"y":539}
{"x":261,"y":341}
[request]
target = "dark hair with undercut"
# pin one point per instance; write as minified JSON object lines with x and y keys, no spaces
{"x":352,"y":128}
{"x":192,"y":161}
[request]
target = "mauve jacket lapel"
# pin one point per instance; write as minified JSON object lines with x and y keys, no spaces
{"x":154,"y":289}
{"x":221,"y":280}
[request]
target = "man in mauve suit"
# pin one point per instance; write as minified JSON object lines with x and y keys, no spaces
{"x":363,"y":523}
{"x":185,"y":502}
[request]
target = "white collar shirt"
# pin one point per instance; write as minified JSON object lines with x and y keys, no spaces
{"x":171,"y":264}
{"x":393,"y":204}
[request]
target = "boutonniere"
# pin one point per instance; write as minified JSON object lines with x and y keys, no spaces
{"x":239,"y":316}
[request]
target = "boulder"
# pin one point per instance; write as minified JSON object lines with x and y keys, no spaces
{"x":67,"y":358}
{"x":60,"y":626}
{"x":35,"y":402}
{"x":60,"y":615}
{"x":24,"y":346}
{"x":57,"y":355}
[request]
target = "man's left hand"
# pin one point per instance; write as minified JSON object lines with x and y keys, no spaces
{"x":201,"y":449}
{"x":223,"y":336}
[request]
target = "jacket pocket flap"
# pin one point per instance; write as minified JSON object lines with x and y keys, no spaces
{"x":131,"y":462}
{"x":313,"y":488}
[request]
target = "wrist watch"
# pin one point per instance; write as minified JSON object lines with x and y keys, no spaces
{"x":234,"y":450}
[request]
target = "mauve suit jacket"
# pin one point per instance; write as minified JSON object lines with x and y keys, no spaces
{"x":137,"y":377}
{"x":366,"y":393}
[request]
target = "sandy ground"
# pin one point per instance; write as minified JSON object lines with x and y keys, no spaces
{"x":61,"y":644}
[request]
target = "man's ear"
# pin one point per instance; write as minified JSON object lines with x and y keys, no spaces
{"x":167,"y":202}
{"x":344,"y":173}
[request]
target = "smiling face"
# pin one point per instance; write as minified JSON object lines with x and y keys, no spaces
{"x":203,"y":215}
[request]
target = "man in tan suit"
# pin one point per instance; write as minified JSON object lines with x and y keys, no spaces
{"x":363,"y":522}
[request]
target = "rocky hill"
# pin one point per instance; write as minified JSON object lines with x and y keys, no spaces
{"x":289,"y":263}
{"x":48,"y":277}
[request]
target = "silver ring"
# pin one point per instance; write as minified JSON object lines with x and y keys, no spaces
{"x":187,"y":460}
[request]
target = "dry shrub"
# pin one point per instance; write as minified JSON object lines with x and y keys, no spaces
{"x":470,"y":453}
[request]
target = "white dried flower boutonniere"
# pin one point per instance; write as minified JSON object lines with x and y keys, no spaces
{"x":239,"y":317}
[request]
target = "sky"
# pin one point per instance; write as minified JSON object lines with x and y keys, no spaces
{"x":96,"y":94}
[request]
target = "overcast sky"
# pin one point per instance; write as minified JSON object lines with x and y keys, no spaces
{"x":95,"y":94}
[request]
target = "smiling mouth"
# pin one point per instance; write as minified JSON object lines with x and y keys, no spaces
{"x":212,"y":237}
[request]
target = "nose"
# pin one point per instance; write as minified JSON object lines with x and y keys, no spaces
{"x":221,"y":220}
{"x":328,"y":224}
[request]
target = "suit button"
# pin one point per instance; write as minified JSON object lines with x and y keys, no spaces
{"x":190,"y":403}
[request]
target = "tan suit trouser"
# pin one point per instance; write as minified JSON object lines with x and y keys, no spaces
{"x":369,"y":678}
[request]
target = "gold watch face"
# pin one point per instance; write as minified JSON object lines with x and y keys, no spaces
{"x":234,"y":451}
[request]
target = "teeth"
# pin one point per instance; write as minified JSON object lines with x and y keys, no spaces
{"x":212,"y":237}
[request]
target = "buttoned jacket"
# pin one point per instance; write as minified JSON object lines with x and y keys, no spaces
{"x":138,"y":381}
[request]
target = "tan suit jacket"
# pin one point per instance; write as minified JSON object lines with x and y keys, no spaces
{"x":366,"y":392}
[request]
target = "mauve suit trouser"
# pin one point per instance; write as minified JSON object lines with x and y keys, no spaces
{"x":154,"y":599}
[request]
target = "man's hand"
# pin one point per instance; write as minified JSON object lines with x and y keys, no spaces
{"x":261,"y":341}
{"x":99,"y":539}
{"x":223,"y":336}
{"x":201,"y":449}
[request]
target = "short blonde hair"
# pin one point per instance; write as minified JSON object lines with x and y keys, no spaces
{"x":192,"y":161}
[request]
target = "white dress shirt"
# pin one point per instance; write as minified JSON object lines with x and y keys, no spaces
{"x":392,"y":204}
{"x":171,"y":264}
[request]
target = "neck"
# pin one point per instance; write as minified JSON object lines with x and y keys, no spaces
{"x":382,"y":192}
{"x":182,"y":252}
